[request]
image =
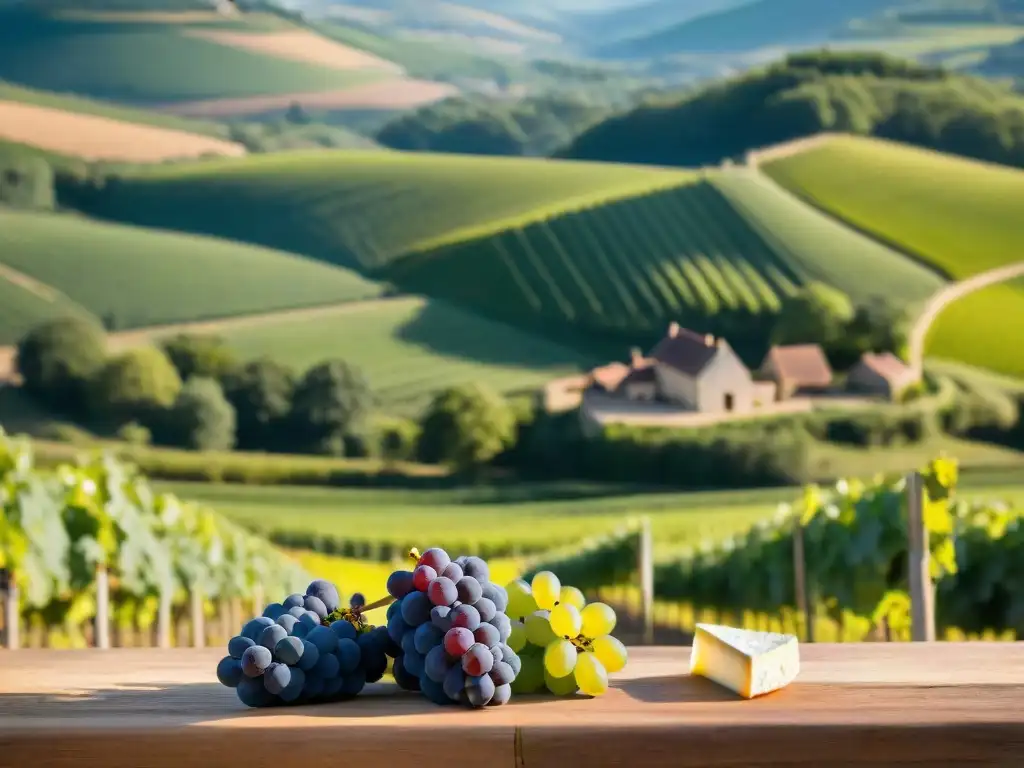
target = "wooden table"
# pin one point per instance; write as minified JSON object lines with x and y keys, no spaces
{"x":859,"y":704}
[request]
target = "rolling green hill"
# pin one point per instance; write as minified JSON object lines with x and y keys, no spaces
{"x":21,"y":309}
{"x":157,"y":61}
{"x":962,"y":217}
{"x":140,"y":278}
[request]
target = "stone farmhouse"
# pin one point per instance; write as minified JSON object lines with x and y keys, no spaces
{"x":701,"y":373}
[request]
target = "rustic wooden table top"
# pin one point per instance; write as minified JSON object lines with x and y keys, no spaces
{"x":934,"y":704}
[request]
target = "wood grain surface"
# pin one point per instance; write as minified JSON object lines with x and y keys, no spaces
{"x":878,"y":704}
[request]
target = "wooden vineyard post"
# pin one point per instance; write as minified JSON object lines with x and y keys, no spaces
{"x":198,"y":619}
{"x":102,"y":635}
{"x":922,"y":593}
{"x":163,"y":619}
{"x":645,"y":570}
{"x":800,"y":577}
{"x":9,"y":592}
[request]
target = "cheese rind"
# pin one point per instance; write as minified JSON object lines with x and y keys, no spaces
{"x":746,"y":662}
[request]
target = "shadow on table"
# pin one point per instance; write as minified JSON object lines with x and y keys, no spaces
{"x":675,"y":689}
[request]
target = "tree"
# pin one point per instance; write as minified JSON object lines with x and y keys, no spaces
{"x":466,"y":427}
{"x":261,"y":394}
{"x":816,"y":314}
{"x":201,"y":418}
{"x":136,"y":386}
{"x":206,"y":356}
{"x":330,"y":403}
{"x":58,"y":359}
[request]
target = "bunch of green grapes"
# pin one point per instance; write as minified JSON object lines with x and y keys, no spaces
{"x":565,"y":644}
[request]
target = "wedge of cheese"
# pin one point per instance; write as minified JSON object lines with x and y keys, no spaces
{"x":748,"y":663}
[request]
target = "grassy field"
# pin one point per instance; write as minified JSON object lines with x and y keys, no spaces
{"x":21,"y":309}
{"x":155,"y":60}
{"x":144,"y":277}
{"x":409,"y":348}
{"x":367,"y":208}
{"x":960,"y":216}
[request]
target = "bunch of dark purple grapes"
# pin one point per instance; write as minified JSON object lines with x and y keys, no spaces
{"x":305,"y":649}
{"x":450,"y":625}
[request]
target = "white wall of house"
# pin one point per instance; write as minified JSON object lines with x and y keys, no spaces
{"x":641,"y":390}
{"x":725,"y":375}
{"x":676,"y":387}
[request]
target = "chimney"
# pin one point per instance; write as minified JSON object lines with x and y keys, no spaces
{"x":673,"y":329}
{"x":709,"y":340}
{"x":635,"y":356}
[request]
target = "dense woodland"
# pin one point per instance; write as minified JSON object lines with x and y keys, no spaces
{"x":860,"y":93}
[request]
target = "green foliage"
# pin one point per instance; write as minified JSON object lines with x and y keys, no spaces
{"x":26,"y":182}
{"x":465,"y":427}
{"x":261,"y":394}
{"x":58,"y":359}
{"x":135,"y":434}
{"x":57,"y":527}
{"x":330,"y":403}
{"x":137,"y":385}
{"x":201,"y":417}
{"x":816,"y":313}
{"x":598,"y":561}
{"x":813,"y":92}
{"x":205,"y":356}
{"x":398,"y":439}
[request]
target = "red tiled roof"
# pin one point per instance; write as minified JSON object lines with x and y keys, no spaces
{"x":610,"y":376}
{"x":803,"y":365}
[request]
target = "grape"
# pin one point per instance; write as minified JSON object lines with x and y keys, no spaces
{"x":477,"y":660}
{"x":254,"y":628}
{"x":310,"y":656}
{"x":289,"y":650}
{"x":469,"y":589}
{"x":538,"y":629}
{"x":277,"y":677}
{"x":324,"y":639}
{"x":442,"y":591}
{"x":316,"y":606}
{"x":560,"y":658}
{"x":353,"y":684}
{"x":293,"y":601}
{"x":477,"y":569}
{"x":300,"y":630}
{"x":416,"y":609}
{"x":436,"y":558}
{"x":394,"y":608}
{"x":295,"y":686}
{"x":496,"y":652}
{"x":252,"y":692}
{"x":496,"y":595}
{"x":287,"y":621}
{"x":414,"y":663}
{"x":466,"y":617}
{"x":327,"y":666}
{"x":357,"y":600}
{"x":326,"y":592}
{"x":598,"y":620}
{"x":403,"y":678}
{"x":561,"y":686}
{"x":310,"y":619}
{"x":426,"y":637}
{"x":610,"y":652}
{"x":237,"y":646}
{"x":454,"y":683}
{"x":400,"y":584}
{"x":314,"y":686}
{"x":486,"y":608}
{"x":502,"y":695}
{"x":229,"y":672}
{"x":422,"y":577}
{"x":502,"y":673}
{"x":397,"y":627}
{"x":530,"y":677}
{"x":517,"y":636}
{"x":436,"y":664}
{"x":487,"y":634}
{"x":591,"y":676}
{"x":457,"y":641}
{"x":344,"y":630}
{"x":273,"y":610}
{"x":546,"y":590}
{"x":512,"y":659}
{"x":434,"y":691}
{"x":298,"y":611}
{"x":520,"y":600}
{"x":565,"y":621}
{"x":409,"y":642}
{"x":461,"y":560}
{"x":453,"y":572}
{"x":349,"y":655}
{"x":479,"y":690}
{"x":572,"y":596}
{"x":440,"y":617}
{"x":503,"y":624}
{"x":255,"y":660}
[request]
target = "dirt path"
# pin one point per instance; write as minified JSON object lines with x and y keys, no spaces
{"x":947,"y":296}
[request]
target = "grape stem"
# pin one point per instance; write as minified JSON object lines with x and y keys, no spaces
{"x":384,"y":601}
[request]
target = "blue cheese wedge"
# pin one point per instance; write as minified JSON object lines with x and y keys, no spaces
{"x":748,"y":663}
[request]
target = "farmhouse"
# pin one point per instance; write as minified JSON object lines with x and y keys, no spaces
{"x":799,"y":369}
{"x":881,"y":374}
